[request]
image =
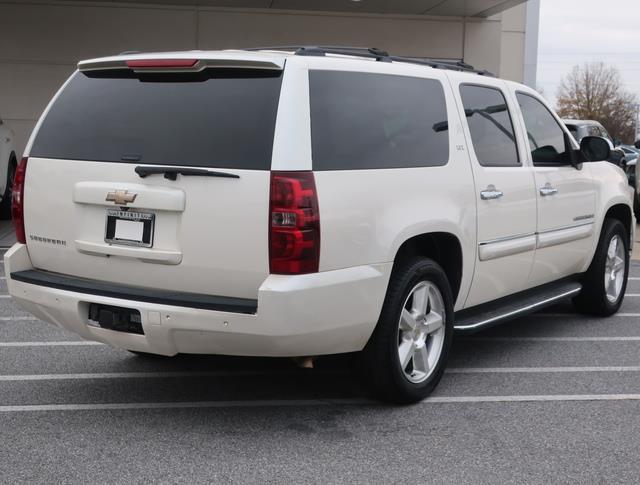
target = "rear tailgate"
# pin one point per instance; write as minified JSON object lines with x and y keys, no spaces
{"x":89,"y":213}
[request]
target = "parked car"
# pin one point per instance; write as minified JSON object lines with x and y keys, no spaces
{"x":8,"y":164}
{"x":581,"y":128}
{"x":309,"y":202}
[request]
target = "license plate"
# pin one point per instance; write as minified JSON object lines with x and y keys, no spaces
{"x":129,"y":228}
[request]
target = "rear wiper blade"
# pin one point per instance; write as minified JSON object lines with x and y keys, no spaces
{"x":171,"y":173}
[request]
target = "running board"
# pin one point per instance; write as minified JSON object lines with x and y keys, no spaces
{"x":512,"y":306}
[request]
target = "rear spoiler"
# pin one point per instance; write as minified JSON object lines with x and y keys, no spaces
{"x":172,"y":65}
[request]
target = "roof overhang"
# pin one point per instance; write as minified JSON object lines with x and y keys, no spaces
{"x":465,"y":8}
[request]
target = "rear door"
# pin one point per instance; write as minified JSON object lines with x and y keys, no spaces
{"x":505,"y":197}
{"x":102,"y":196}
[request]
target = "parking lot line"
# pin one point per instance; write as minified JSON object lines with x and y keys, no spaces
{"x":18,"y":319}
{"x":553,"y":339}
{"x":313,"y":402}
{"x":52,"y":343}
{"x":539,"y":370}
{"x":184,"y":405}
{"x":574,"y":315}
{"x":534,"y":398}
{"x":158,"y":375}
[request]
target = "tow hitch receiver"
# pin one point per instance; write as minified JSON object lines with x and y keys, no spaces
{"x":115,"y":318}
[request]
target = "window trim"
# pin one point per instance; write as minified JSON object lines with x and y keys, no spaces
{"x":518,"y":163}
{"x":567,"y":136}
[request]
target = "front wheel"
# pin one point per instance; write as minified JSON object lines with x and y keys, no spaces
{"x":407,"y":353}
{"x":604,"y":283}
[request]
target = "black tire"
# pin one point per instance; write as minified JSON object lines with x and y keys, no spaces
{"x":593,"y":297}
{"x":5,"y":204}
{"x":380,"y":358}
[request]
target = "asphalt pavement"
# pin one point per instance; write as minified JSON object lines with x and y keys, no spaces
{"x":549,"y":398}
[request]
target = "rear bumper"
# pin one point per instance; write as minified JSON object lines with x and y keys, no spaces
{"x":322,"y":313}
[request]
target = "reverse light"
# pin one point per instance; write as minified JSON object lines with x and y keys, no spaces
{"x":17,"y":201}
{"x":294,"y":224}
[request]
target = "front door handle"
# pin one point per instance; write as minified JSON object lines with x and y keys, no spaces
{"x":491,"y":193}
{"x":548,"y":190}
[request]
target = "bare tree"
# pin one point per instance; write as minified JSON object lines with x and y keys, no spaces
{"x":594,"y":92}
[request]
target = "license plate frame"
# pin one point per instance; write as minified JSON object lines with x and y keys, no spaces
{"x":148,"y":228}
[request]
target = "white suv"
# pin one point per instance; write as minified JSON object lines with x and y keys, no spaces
{"x":309,"y":201}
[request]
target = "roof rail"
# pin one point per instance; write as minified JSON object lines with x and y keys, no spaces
{"x":377,"y":54}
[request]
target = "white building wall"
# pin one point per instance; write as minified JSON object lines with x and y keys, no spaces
{"x":41,"y":41}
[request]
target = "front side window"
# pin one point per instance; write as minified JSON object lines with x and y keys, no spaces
{"x":546,"y":137}
{"x":372,"y":121}
{"x":490,"y":125}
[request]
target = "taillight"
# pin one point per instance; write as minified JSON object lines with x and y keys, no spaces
{"x":294,"y":223}
{"x":17,"y":201}
{"x":162,"y":63}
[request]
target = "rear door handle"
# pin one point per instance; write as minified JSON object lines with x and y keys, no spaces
{"x":548,"y":190}
{"x":491,"y":193}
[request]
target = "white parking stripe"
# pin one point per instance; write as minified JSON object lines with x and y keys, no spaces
{"x":185,"y":405}
{"x":534,"y":398}
{"x":552,"y":339}
{"x":577,"y":315}
{"x":312,"y":402}
{"x":539,"y":370}
{"x":52,"y":343}
{"x":157,"y":375}
{"x":18,"y":319}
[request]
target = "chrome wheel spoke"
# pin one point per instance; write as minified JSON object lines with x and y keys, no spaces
{"x":421,"y":359}
{"x":405,"y":352}
{"x":407,"y":321}
{"x":420,"y":300}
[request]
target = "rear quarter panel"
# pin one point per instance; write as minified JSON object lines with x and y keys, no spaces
{"x":366,"y":215}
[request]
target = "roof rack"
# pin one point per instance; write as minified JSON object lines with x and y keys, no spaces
{"x":377,"y":54}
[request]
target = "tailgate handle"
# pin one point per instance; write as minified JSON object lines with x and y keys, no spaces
{"x":171,"y":173}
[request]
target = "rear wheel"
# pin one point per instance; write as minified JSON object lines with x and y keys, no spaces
{"x":406,"y":356}
{"x":5,"y":204}
{"x":605,"y":281}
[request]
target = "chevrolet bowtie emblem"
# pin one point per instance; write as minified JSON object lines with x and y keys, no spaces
{"x":121,"y":197}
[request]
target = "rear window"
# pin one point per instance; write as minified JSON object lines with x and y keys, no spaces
{"x":221,"y":119}
{"x":369,"y":121}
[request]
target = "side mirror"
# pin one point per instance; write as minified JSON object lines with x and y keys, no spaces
{"x":595,"y":148}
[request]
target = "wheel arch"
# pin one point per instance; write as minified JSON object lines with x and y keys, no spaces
{"x":444,"y":248}
{"x":622,"y":213}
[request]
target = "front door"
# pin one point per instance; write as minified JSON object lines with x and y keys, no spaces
{"x":566,"y":195}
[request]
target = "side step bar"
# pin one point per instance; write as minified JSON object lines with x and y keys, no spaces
{"x":489,"y":314}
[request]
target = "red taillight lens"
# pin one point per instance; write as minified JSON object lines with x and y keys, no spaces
{"x":17,"y":201}
{"x":294,"y":223}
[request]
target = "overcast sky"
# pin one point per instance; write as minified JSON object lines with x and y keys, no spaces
{"x":576,"y":31}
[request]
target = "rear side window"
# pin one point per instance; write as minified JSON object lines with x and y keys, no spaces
{"x":370,"y":121}
{"x":224,"y":118}
{"x":490,"y":125}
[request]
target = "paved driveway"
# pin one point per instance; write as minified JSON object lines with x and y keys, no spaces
{"x":552,"y":397}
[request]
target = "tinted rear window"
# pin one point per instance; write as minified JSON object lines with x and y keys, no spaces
{"x":224,"y":119}
{"x":367,"y":121}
